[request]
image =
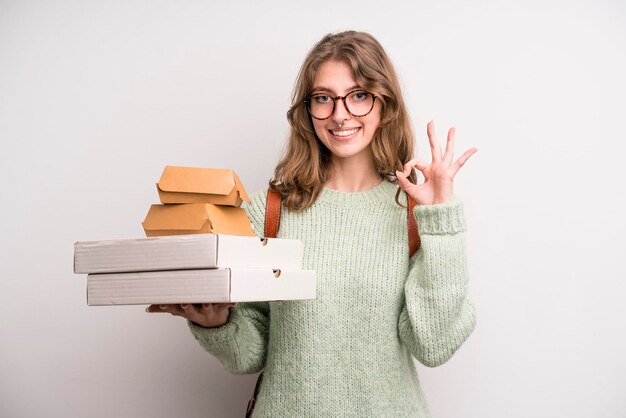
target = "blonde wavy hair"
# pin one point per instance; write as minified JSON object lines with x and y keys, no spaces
{"x":305,"y":166}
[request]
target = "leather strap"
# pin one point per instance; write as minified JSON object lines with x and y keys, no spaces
{"x":273,"y":205}
{"x":414,"y":236}
{"x":272,"y":213}
{"x":252,"y":401}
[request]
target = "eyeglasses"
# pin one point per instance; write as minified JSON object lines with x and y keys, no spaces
{"x":358,"y":103}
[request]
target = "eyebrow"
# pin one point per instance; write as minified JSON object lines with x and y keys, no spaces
{"x":320,"y":89}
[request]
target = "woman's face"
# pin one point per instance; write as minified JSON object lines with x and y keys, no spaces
{"x":346,"y":136}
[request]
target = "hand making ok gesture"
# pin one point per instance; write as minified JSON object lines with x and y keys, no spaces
{"x":438,"y":176}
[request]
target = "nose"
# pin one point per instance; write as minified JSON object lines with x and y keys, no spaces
{"x":340,"y":113}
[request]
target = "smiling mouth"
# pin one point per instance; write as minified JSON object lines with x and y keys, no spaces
{"x":344,"y":132}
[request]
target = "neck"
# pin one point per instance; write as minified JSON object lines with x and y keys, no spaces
{"x":348,"y":175}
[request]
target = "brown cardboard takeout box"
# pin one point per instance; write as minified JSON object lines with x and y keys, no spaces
{"x":196,"y":218}
{"x":201,"y":185}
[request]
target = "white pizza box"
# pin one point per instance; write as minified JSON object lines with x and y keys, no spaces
{"x":200,"y":286}
{"x":196,"y":251}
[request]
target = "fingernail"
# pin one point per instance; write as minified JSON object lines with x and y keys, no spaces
{"x":148,"y":309}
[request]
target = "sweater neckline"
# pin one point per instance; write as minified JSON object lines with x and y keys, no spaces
{"x":377,"y":194}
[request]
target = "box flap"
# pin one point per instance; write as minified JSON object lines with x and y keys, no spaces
{"x":229,"y":220}
{"x":247,"y":285}
{"x":198,"y":180}
{"x":280,"y":253}
{"x":195,"y":218}
{"x":240,"y":188}
{"x":176,"y":217}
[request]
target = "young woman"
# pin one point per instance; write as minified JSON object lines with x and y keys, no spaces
{"x":350,"y":351}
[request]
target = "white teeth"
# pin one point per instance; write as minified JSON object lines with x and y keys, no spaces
{"x":345,"y":133}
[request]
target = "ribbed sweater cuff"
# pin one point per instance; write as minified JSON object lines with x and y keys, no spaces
{"x":214,"y":336}
{"x":441,"y":219}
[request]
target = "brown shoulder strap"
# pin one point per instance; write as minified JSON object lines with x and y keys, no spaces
{"x":414,"y":236}
{"x":272,"y":223}
{"x":252,"y":401}
{"x":272,"y":213}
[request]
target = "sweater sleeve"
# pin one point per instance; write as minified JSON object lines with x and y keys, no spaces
{"x":437,"y":316}
{"x":241,"y":344}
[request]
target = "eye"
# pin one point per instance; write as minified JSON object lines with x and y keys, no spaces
{"x":321,"y":99}
{"x":360,"y":95}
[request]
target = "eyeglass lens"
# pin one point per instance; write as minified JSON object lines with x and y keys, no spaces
{"x":358,"y":103}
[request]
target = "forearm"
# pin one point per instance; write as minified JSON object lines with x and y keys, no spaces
{"x":241,"y":344}
{"x":437,"y":316}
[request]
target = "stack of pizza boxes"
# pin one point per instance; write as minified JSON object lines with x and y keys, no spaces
{"x":201,"y":248}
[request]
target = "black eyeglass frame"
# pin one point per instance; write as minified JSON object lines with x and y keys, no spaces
{"x":307,"y":102}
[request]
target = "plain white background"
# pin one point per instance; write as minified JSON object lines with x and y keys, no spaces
{"x":96,"y":97}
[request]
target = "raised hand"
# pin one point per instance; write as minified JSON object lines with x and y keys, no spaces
{"x":438,"y":175}
{"x":208,"y":315}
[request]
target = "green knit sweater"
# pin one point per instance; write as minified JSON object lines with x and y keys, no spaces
{"x":348,"y":352}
